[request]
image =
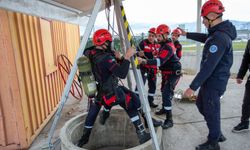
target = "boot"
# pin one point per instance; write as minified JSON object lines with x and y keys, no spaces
{"x":141,"y":133}
{"x":153,"y":105}
{"x":85,"y":137}
{"x":156,"y":123}
{"x":104,"y":116}
{"x":222,"y":138}
{"x":151,"y":102}
{"x":160,"y":112}
{"x":169,"y":121}
{"x":242,"y":126}
{"x":209,"y":145}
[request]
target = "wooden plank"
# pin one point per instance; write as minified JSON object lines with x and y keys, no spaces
{"x":41,"y":66}
{"x":26,"y":78}
{"x":54,"y":88}
{"x":50,"y":78}
{"x":45,"y":122}
{"x":21,"y":96}
{"x":72,"y":40}
{"x":3,"y":138}
{"x":11,"y":147}
{"x":10,"y":94}
{"x":30,"y":72}
{"x":36,"y":81}
{"x":58,"y":34}
{"x":47,"y":46}
{"x":48,"y":93}
{"x":58,"y":87}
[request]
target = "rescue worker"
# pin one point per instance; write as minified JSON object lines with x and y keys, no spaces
{"x":212,"y":79}
{"x":175,"y":36}
{"x":245,"y":112}
{"x":106,"y":71}
{"x":148,"y":49}
{"x":170,"y":67}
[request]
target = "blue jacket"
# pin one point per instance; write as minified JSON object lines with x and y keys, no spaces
{"x":106,"y":64}
{"x":245,"y":64}
{"x":217,"y":57}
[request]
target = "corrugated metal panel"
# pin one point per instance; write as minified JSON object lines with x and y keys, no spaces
{"x":37,"y":88}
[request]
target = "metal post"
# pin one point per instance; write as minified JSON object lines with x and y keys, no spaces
{"x":67,"y":87}
{"x":123,"y":45}
{"x":138,"y":77}
{"x":198,"y":29}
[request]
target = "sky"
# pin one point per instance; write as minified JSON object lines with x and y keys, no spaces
{"x":155,"y":12}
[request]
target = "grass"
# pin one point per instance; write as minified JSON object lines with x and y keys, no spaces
{"x":237,"y":46}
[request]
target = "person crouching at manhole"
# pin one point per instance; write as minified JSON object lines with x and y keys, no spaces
{"x":170,"y":67}
{"x":107,"y":70}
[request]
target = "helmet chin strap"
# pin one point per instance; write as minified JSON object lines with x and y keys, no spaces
{"x":163,"y":37}
{"x":210,"y":21}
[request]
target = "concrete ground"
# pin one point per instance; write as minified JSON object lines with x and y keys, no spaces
{"x":189,"y":126}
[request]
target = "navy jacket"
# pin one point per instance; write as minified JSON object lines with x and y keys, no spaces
{"x":245,"y":64}
{"x":108,"y":65}
{"x":217,"y":57}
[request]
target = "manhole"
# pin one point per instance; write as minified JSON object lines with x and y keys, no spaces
{"x":118,"y":133}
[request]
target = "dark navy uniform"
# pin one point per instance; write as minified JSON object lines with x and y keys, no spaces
{"x":217,"y":59}
{"x":245,"y":65}
{"x":107,"y":70}
{"x":178,"y":47}
{"x":170,"y":68}
{"x":149,"y":71}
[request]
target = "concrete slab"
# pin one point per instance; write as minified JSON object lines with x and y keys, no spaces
{"x":189,"y":126}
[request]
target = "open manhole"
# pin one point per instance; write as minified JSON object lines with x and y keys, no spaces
{"x":118,"y":133}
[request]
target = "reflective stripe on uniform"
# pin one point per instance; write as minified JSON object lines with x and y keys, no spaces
{"x":89,"y":127}
{"x":105,"y":109}
{"x":135,"y":118}
{"x":167,"y":108}
{"x":158,"y":62}
{"x":151,"y":94}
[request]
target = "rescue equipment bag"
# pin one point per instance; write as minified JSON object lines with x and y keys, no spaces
{"x":87,"y":77}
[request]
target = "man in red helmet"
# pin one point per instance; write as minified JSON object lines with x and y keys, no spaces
{"x":214,"y":73}
{"x":175,"y":36}
{"x":170,"y":67}
{"x":148,"y":49}
{"x":106,"y":71}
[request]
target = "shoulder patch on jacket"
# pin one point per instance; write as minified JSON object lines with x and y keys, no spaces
{"x":213,"y":49}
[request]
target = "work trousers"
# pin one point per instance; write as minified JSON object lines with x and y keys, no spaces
{"x":208,"y":104}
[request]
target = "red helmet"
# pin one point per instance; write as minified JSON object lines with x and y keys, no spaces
{"x":101,"y":36}
{"x":162,"y":29}
{"x":212,"y":6}
{"x":152,"y":30}
{"x":176,"y":31}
